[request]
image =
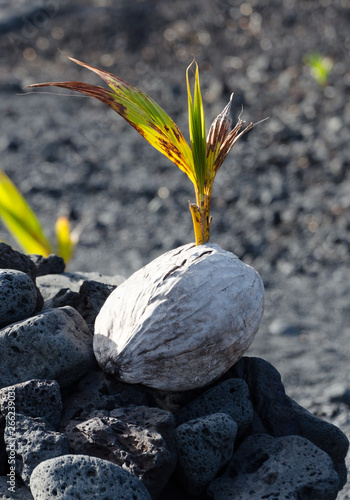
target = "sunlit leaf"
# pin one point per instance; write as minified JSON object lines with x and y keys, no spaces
{"x":20,"y":220}
{"x":140,"y":111}
{"x":197,"y":129}
{"x":65,"y":241}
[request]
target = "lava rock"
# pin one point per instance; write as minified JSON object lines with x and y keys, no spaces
{"x":204,"y":446}
{"x":53,"y":264}
{"x":18,"y":296}
{"x":3,"y":454}
{"x":325,"y":435}
{"x":282,"y":416}
{"x":11,"y":259}
{"x":34,"y":398}
{"x":98,"y":391}
{"x":131,"y":438}
{"x":33,"y":440}
{"x":273,"y":407}
{"x":230,"y":396}
{"x":17,"y":491}
{"x":279,"y":468}
{"x":55,"y":344}
{"x":92,"y":296}
{"x":79,"y":476}
{"x":52,"y":284}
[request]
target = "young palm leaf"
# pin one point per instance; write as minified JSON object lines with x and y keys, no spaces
{"x":24,"y":226}
{"x":200,"y":162}
{"x":20,"y":219}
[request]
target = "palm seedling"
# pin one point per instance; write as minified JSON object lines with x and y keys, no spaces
{"x":200,"y":161}
{"x":26,"y":229}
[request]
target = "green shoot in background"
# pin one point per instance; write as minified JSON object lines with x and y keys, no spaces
{"x":23,"y":225}
{"x":320,"y":66}
{"x":200,"y":162}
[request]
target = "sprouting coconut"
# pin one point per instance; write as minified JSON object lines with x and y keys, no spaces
{"x":184,"y":319}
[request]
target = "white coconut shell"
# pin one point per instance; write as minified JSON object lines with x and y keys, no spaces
{"x":181,"y":321}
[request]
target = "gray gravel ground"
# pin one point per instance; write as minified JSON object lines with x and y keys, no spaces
{"x":282,"y":198}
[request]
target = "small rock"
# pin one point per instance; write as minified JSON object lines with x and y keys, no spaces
{"x":11,"y":259}
{"x":79,"y":476}
{"x":55,"y":344}
{"x":33,"y":440}
{"x":34,"y":398}
{"x":130,"y":437}
{"x":53,"y":264}
{"x":230,"y":396}
{"x":277,"y":468}
{"x":204,"y":446}
{"x":18,"y":296}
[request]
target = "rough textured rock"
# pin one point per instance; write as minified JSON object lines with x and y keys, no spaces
{"x":140,"y":439}
{"x":78,"y":476}
{"x":34,"y":398}
{"x":34,"y":441}
{"x":230,"y":396}
{"x":55,"y":344}
{"x":98,"y":391}
{"x":52,"y":284}
{"x":11,"y":259}
{"x":17,"y":492}
{"x":277,"y":468}
{"x":18,"y":296}
{"x":268,"y":396}
{"x":204,"y":445}
{"x":181,"y":321}
{"x":53,"y":264}
{"x":279,"y":415}
{"x":3,"y":454}
{"x":325,"y":435}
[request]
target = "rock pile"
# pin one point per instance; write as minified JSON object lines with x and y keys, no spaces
{"x":67,"y":430}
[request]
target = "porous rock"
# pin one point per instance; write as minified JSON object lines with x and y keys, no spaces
{"x":204,"y":446}
{"x":230,"y":396}
{"x":33,"y":440}
{"x":181,"y":321}
{"x":11,"y":259}
{"x":33,"y":398}
{"x":268,"y":396}
{"x":52,"y":284}
{"x":18,"y":296}
{"x":140,"y":439}
{"x":79,"y":476}
{"x":55,"y":344}
{"x":282,"y":468}
{"x":325,"y":435}
{"x":281,"y":416}
{"x":16,"y":491}
{"x":98,"y":391}
{"x":53,"y":264}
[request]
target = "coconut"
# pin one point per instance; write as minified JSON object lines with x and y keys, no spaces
{"x":181,"y":321}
